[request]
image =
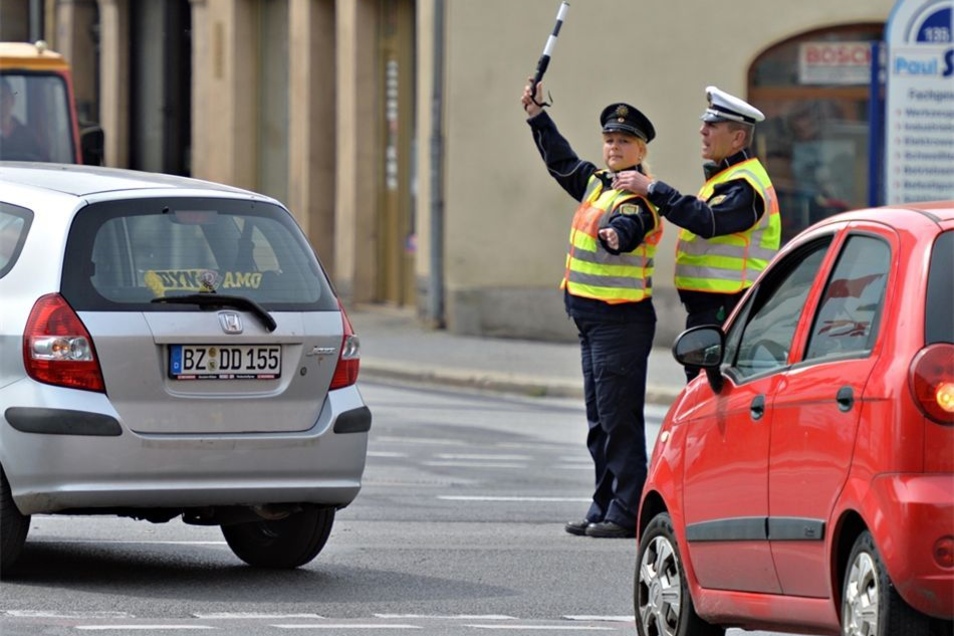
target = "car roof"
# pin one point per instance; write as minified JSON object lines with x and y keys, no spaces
{"x":901,"y":216}
{"x":22,"y":56}
{"x":86,"y":181}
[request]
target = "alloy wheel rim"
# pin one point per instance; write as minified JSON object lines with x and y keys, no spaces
{"x":860,"y":607}
{"x":660,"y":588}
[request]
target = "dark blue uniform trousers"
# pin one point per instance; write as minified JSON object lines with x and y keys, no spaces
{"x":615,"y":357}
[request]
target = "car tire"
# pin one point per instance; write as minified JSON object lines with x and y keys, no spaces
{"x":285,"y":543}
{"x":661,"y":596}
{"x":14,"y":526}
{"x":870,"y":605}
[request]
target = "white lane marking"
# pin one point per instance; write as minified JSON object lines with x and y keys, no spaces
{"x":123,"y":542}
{"x":249,"y":615}
{"x":477,"y":456}
{"x":340,"y":626}
{"x":55,"y":614}
{"x":605,"y":619}
{"x":540,"y":628}
{"x":102,"y":628}
{"x":385,"y":454}
{"x":456,"y":464}
{"x":533,"y":499}
{"x":419,"y":440}
{"x":466,"y":617}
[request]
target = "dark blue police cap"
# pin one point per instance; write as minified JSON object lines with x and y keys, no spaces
{"x":626,"y":118}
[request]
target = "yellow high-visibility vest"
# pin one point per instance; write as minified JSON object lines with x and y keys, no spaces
{"x":591,"y":271}
{"x":729,"y":264}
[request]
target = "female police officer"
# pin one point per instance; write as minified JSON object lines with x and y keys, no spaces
{"x":607,"y":286}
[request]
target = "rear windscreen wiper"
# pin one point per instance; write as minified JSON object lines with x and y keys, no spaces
{"x":212,"y":301}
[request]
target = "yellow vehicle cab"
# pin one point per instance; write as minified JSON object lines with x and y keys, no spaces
{"x":38,"y":118}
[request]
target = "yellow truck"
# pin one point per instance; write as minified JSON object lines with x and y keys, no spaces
{"x":38,"y":117}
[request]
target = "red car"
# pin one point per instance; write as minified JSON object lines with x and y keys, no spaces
{"x":805,"y":481}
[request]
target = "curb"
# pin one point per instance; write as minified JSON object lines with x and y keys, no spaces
{"x":530,"y":386}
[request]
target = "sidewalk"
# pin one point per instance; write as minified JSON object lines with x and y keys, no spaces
{"x":394,"y":345}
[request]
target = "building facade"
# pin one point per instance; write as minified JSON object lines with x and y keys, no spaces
{"x":393,"y":129}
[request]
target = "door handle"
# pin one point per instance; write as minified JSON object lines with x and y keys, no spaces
{"x":845,"y":399}
{"x":757,"y":407}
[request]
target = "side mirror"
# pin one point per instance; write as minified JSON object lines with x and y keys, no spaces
{"x":702,"y":347}
{"x":93,"y":145}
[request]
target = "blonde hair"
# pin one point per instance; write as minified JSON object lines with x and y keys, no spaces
{"x":644,"y":163}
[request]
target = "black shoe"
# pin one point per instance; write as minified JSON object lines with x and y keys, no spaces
{"x":609,"y":530}
{"x":577,"y":527}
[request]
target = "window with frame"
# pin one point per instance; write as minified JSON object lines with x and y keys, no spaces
{"x":760,"y":339}
{"x":850,"y":308}
{"x":126,"y":254}
{"x":814,"y":91}
{"x":14,"y":223}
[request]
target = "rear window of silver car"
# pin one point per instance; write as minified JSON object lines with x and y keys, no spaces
{"x":124,"y":254}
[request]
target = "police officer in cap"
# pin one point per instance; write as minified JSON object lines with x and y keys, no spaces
{"x":607,"y":287}
{"x":731,"y":229}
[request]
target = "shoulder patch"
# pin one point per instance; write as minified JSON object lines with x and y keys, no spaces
{"x":628,"y":209}
{"x":716,"y":200}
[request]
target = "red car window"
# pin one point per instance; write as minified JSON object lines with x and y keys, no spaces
{"x":851,"y":304}
{"x":759,"y":341}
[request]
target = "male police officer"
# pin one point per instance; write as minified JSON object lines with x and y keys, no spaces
{"x":731,"y":230}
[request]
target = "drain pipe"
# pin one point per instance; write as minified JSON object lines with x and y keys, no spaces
{"x":36,"y":19}
{"x":435,"y":309}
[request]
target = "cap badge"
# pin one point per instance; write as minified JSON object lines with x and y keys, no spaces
{"x":621,"y":112}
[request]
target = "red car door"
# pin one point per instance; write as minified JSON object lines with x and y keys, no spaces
{"x":726,"y":505}
{"x":817,"y":410}
{"x":726,"y":500}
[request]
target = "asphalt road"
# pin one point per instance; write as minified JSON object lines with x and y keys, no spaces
{"x":458,"y":530}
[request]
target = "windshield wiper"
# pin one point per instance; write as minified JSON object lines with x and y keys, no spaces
{"x":211,"y":301}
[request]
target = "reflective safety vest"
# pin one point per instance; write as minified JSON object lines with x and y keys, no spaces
{"x":591,"y":271}
{"x":731,"y":263}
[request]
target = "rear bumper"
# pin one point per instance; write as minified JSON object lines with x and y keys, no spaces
{"x":914,"y":512}
{"x":50,"y":471}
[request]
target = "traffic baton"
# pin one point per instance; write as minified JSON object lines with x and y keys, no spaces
{"x":544,"y":60}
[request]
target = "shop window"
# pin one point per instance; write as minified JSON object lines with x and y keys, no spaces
{"x":814,"y":91}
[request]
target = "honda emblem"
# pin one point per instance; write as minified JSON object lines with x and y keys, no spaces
{"x":231,"y":322}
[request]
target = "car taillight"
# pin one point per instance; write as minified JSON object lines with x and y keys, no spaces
{"x":57,"y":349}
{"x":346,"y":373}
{"x":931,"y":379}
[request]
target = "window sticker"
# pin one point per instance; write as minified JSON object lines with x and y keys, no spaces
{"x":163,"y":281}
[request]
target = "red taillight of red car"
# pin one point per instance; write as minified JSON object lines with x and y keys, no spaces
{"x":346,"y":373}
{"x":931,"y":379}
{"x":57,"y":349}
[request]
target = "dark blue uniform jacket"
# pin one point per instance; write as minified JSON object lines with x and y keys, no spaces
{"x":573,"y":174}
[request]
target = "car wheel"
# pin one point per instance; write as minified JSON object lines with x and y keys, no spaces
{"x":870,"y":605}
{"x":13,"y":527}
{"x":285,"y":543}
{"x":661,"y":595}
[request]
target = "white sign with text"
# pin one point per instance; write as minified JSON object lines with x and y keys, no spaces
{"x":919,"y":122}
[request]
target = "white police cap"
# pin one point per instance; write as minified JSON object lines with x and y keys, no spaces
{"x":725,"y":107}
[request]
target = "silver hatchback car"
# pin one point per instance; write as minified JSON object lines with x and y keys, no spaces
{"x":171,"y":348}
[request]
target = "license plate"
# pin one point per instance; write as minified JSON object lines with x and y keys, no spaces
{"x":215,"y":362}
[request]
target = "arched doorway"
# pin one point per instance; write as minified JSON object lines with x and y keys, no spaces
{"x":814,"y":91}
